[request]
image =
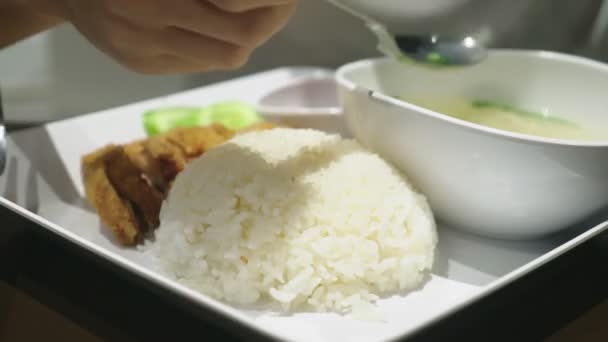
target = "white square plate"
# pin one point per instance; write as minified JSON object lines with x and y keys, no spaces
{"x":42,"y":183}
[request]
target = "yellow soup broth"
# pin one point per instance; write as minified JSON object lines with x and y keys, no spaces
{"x":512,"y":119}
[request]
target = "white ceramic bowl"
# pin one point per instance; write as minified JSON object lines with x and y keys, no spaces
{"x":487,"y":181}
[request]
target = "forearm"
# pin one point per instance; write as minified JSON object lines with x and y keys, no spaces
{"x":19,"y":20}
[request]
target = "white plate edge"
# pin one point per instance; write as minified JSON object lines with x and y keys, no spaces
{"x":512,"y":276}
{"x":118,"y":260}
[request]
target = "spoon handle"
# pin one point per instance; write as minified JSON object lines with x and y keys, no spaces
{"x":367,"y":19}
{"x":386,"y":42}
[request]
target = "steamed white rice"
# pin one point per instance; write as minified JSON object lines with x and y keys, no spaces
{"x":298,"y":217}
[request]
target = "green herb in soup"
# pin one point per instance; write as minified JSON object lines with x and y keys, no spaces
{"x":510,"y":118}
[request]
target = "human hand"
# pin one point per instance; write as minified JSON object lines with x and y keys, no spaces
{"x":175,"y":36}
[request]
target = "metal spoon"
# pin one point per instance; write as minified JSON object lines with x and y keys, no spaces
{"x":432,"y":50}
{"x":2,"y":139}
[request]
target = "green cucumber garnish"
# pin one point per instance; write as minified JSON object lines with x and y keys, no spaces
{"x":233,"y":115}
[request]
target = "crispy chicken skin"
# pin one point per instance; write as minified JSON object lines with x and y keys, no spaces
{"x":169,"y":157}
{"x":126,"y":184}
{"x":130,"y":184}
{"x":150,"y":167}
{"x":195,"y":141}
{"x":177,"y":147}
{"x":260,"y":126}
{"x":114,"y":211}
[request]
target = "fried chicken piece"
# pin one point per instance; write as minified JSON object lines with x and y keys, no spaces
{"x":130,"y":184}
{"x":260,"y":126}
{"x":127,"y":184}
{"x":169,"y":157}
{"x":149,"y":166}
{"x":194,"y":141}
{"x":177,"y":147}
{"x":115,"y":212}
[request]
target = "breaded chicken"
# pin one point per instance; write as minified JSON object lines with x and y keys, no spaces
{"x":170,"y":158}
{"x":194,"y":141}
{"x":113,"y":211}
{"x":130,"y":184}
{"x":150,"y":167}
{"x":127,"y":184}
{"x":177,"y":147}
{"x":260,"y":126}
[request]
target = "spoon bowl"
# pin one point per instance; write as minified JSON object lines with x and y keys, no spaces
{"x":441,"y":50}
{"x":431,"y":50}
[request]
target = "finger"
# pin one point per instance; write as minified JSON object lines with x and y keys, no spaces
{"x":120,"y":39}
{"x":164,"y":64}
{"x":209,"y":53}
{"x":150,"y":14}
{"x":249,"y":29}
{"x":238,"y":6}
{"x":279,"y":16}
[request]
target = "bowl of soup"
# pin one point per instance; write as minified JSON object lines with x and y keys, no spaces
{"x":515,"y":147}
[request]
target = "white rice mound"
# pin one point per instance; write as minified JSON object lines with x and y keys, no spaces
{"x":298,"y":217}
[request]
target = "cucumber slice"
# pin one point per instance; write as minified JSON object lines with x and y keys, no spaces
{"x":234,"y":115}
{"x":162,"y":120}
{"x":231,"y":114}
